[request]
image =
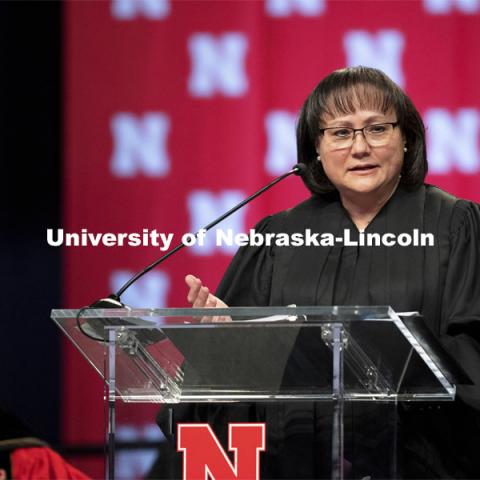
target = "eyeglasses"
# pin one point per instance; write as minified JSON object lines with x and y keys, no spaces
{"x":376,"y":135}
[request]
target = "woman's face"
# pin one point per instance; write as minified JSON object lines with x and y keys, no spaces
{"x":361,"y":168}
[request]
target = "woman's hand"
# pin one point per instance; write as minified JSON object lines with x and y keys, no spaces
{"x":199,"y":296}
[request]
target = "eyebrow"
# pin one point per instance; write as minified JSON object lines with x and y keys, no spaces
{"x":367,"y":121}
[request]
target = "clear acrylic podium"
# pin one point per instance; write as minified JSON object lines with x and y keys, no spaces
{"x":268,"y":354}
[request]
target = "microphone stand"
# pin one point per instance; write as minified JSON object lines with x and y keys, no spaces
{"x":113,"y":300}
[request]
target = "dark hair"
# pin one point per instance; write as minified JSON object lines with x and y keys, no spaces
{"x":342,"y":92}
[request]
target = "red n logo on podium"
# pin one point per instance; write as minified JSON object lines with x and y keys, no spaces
{"x":205,"y":459}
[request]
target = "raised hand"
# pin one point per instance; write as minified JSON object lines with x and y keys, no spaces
{"x":199,"y":296}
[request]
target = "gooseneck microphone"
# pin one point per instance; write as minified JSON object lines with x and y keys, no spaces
{"x":113,"y":300}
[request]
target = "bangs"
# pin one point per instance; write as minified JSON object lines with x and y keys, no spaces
{"x":348,"y":99}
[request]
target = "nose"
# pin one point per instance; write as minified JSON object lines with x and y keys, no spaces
{"x":360,"y":146}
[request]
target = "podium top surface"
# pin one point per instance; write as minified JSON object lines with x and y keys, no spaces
{"x":315,"y":313}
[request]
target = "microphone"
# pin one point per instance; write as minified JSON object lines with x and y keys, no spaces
{"x":113,"y":300}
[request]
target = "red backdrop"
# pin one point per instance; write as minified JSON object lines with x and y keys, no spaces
{"x":174,"y":110}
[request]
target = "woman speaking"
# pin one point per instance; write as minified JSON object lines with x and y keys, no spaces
{"x":363,"y":143}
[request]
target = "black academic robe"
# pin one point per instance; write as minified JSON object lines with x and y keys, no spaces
{"x":441,"y":282}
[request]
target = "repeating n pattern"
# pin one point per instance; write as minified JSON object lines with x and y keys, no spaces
{"x":177,"y":110}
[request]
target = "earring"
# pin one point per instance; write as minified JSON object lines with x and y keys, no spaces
{"x":318,"y":158}
{"x":405,"y":149}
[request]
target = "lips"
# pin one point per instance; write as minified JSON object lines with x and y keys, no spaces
{"x":367,"y":167}
{"x":363,"y":169}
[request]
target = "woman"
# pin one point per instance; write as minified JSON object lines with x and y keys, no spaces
{"x":363,"y":142}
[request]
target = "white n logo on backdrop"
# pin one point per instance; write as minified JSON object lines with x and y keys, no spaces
{"x":442,"y":7}
{"x":205,"y":206}
{"x":150,"y":291}
{"x":131,"y":9}
{"x":217,"y":64}
{"x":139,"y":144}
{"x":281,"y":143}
{"x":285,"y":8}
{"x":383,"y":51}
{"x":452,"y":140}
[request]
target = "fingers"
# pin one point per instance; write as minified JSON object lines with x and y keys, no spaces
{"x":216,"y":319}
{"x":211,"y":301}
{"x":190,"y":280}
{"x":195,"y":285}
{"x":222,"y":319}
{"x":199,"y":296}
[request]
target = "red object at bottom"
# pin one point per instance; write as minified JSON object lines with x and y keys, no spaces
{"x":42,"y":463}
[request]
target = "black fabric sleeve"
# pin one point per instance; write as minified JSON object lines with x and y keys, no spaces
{"x":461,"y":300}
{"x":247,"y":280}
